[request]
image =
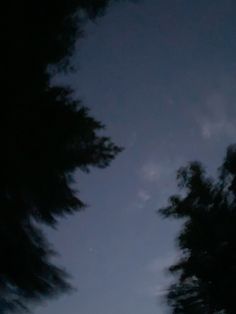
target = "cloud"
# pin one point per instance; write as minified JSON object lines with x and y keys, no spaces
{"x":132,"y":140}
{"x":216,"y":119}
{"x":151,"y":171}
{"x":159,"y":281}
{"x":144,"y":196}
{"x":158,"y":290}
{"x":154,"y":290}
{"x":160,"y":172}
{"x":157,"y":268}
{"x":159,"y":180}
{"x":212,"y":128}
{"x":161,"y":263}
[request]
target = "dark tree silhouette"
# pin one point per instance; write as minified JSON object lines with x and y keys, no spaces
{"x":45,"y":136}
{"x":206,"y":271}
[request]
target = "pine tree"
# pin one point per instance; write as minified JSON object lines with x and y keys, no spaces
{"x":206,"y":271}
{"x":45,"y":136}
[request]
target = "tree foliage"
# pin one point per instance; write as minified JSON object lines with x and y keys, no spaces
{"x":206,"y":271}
{"x":45,"y":136}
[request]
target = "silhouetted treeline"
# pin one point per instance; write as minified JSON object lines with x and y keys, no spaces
{"x":45,"y":136}
{"x":206,"y":272}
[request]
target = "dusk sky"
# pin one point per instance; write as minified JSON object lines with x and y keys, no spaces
{"x":161,"y":75}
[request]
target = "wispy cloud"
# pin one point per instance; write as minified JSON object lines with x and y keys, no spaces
{"x":151,"y":171}
{"x":216,"y":120}
{"x":144,"y":196}
{"x":158,"y":286}
{"x":161,"y":263}
{"x":160,"y":172}
{"x":211,"y":128}
{"x":159,"y":290}
{"x":132,"y":139}
{"x":158,"y":179}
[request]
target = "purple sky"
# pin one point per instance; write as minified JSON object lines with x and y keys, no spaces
{"x":161,"y":75}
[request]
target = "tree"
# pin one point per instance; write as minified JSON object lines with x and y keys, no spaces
{"x":45,"y":136}
{"x":206,"y":271}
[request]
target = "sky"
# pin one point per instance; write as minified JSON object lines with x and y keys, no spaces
{"x":160,"y":74}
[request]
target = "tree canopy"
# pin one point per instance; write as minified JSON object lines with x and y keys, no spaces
{"x":45,"y":136}
{"x":206,"y":271}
